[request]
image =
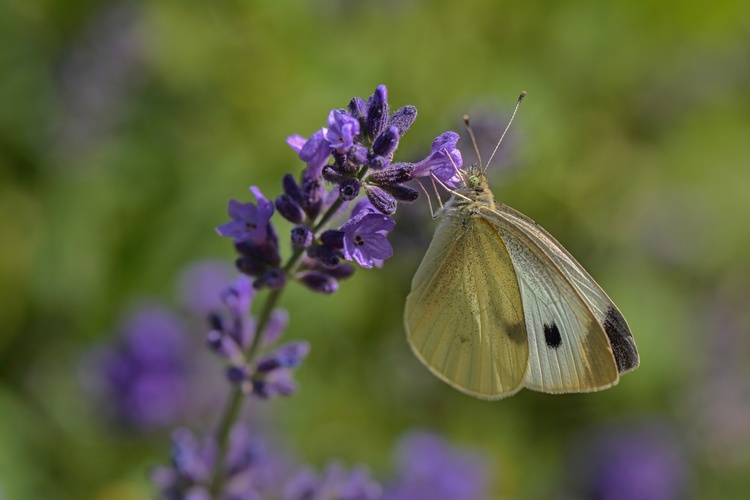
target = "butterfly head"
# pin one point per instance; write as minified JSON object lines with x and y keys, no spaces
{"x":475,"y":185}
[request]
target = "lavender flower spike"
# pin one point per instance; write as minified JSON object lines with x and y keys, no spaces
{"x":249,"y":221}
{"x":439,"y":163}
{"x":365,"y":237}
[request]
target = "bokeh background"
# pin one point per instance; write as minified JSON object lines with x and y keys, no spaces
{"x":126,"y":126}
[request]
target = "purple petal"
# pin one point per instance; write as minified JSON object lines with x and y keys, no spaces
{"x":343,"y":128}
{"x":296,"y":142}
{"x":439,"y":161}
{"x":315,"y":153}
{"x":373,"y":223}
{"x":238,"y":210}
{"x":379,"y":248}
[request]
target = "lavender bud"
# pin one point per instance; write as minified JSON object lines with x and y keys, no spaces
{"x":273,"y":279}
{"x":223,"y":345}
{"x":349,"y":189}
{"x":403,"y":118}
{"x":249,"y":266}
{"x":287,"y":356}
{"x":302,"y":237}
{"x":333,"y":174}
{"x":260,"y":389}
{"x":342,"y":161}
{"x":386,"y":143}
{"x":291,"y":189}
{"x":266,"y":252}
{"x":377,"y":162}
{"x":357,"y":155}
{"x":324,"y":254}
{"x":214,"y":340}
{"x":313,"y":193}
{"x":291,"y":355}
{"x":268,"y":364}
{"x":341,"y":271}
{"x":282,"y":385}
{"x":377,"y":112}
{"x":318,"y":282}
{"x":333,"y":238}
{"x":402,"y":193}
{"x":289,"y":209}
{"x":238,"y":374}
{"x":396,"y":174}
{"x":383,"y":201}
{"x":357,"y":108}
{"x":215,"y":322}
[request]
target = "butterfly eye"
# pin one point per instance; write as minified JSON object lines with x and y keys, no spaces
{"x":473,"y":182}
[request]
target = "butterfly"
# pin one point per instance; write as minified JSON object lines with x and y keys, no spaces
{"x":497,"y":304}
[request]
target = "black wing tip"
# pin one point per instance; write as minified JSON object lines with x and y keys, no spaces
{"x":621,"y":340}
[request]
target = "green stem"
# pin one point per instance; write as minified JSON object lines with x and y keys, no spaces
{"x":234,"y":405}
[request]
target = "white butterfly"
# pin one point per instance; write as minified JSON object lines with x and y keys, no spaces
{"x":497,"y":305}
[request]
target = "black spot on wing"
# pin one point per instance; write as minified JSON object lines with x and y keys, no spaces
{"x":623,"y":346}
{"x":552,"y":335}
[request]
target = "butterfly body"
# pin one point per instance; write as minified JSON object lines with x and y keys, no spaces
{"x":497,"y":304}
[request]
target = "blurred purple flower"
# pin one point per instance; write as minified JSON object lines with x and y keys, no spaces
{"x":232,"y":333}
{"x":143,"y":378}
{"x":365,"y":237}
{"x":443,"y":161}
{"x":273,"y":374}
{"x":643,"y":461}
{"x":429,"y":467}
{"x":335,"y":484}
{"x":276,"y":326}
{"x":718,"y":403}
{"x":233,"y":328}
{"x":251,"y":472}
{"x":201,"y":283}
{"x":249,"y":221}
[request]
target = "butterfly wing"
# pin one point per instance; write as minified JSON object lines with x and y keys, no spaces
{"x":464,"y":316}
{"x":578,"y":339}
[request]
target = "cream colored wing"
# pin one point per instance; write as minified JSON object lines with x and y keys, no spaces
{"x":464,"y":317}
{"x":604,"y":310}
{"x":578,"y":339}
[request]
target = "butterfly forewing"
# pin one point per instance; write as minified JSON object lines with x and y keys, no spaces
{"x":464,"y":320}
{"x":607,"y":316}
{"x":568,"y":350}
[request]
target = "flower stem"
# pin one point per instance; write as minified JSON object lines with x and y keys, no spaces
{"x":234,"y":405}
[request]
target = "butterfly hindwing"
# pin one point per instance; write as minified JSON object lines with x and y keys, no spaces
{"x":464,"y":320}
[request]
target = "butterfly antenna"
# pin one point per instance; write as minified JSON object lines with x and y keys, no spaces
{"x":437,"y":193}
{"x":520,"y":98}
{"x":473,"y":139}
{"x":452,"y":191}
{"x":429,"y":201}
{"x":450,"y":158}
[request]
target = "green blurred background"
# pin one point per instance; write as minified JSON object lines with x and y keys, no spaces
{"x":125,"y":128}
